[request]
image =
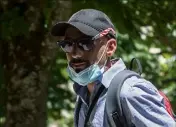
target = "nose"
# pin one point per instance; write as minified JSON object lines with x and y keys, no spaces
{"x":77,"y":52}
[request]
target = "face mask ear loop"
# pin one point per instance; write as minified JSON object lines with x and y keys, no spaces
{"x":102,"y":55}
{"x":109,"y":61}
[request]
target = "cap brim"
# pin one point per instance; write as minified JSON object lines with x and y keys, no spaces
{"x":60,"y":28}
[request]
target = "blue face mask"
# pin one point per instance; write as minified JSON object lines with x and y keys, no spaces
{"x":86,"y":76}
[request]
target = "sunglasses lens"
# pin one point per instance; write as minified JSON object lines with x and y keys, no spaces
{"x":66,"y":46}
{"x":86,"y":44}
{"x":83,"y":44}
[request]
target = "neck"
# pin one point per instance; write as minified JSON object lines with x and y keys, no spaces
{"x":90,"y":87}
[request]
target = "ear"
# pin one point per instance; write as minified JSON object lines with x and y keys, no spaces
{"x":111,"y":48}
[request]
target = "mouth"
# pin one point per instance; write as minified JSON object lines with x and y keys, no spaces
{"x":79,"y":65}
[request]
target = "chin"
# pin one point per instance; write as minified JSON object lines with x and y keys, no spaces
{"x":77,"y":70}
{"x":80,"y":68}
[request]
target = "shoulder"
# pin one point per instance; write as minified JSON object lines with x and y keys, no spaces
{"x":138,"y":87}
{"x":143,"y":104}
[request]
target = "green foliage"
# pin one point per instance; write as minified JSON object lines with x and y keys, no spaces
{"x":60,"y":96}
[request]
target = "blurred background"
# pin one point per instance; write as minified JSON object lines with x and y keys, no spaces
{"x":35,"y":90}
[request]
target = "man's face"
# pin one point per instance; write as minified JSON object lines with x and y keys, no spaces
{"x":79,"y":59}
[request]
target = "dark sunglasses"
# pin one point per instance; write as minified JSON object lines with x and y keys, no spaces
{"x":85,"y":44}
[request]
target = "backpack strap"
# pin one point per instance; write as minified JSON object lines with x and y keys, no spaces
{"x":87,"y":122}
{"x":90,"y":114}
{"x":77,"y":110}
{"x":113,"y":107}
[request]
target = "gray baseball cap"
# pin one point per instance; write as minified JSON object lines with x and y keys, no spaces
{"x":89,"y":21}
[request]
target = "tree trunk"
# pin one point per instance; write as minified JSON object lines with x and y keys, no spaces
{"x":26,"y":60}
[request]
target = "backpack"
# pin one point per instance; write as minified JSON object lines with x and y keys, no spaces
{"x":113,"y":109}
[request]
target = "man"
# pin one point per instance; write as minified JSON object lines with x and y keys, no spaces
{"x":89,"y":42}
